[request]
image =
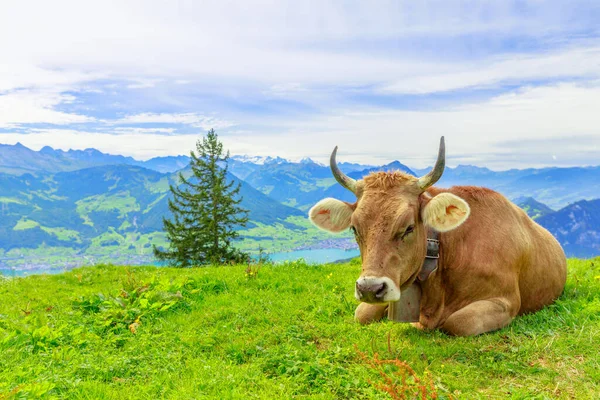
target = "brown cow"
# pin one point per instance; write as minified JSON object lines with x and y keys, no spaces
{"x":495,"y":262}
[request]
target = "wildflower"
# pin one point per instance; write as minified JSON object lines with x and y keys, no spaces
{"x":136,"y":324}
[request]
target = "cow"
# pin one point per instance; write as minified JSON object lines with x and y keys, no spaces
{"x":494,"y":261}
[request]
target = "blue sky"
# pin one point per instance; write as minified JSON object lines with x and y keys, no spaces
{"x":510,"y":84}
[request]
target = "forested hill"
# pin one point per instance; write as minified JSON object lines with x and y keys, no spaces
{"x":577,"y":227}
{"x":94,"y":206}
{"x":51,"y":204}
{"x":302,"y":184}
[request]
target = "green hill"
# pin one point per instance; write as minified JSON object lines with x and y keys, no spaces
{"x":303,"y":184}
{"x":576,"y":227}
{"x":112,"y":209}
{"x":285,"y":332}
{"x":532,"y":207}
{"x":114,"y":212}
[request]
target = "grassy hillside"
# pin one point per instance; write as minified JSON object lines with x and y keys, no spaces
{"x":577,"y":227}
{"x":285,"y":332}
{"x":111,"y":213}
{"x":113,"y":210}
{"x":533,"y":208}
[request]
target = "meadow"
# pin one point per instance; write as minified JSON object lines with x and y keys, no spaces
{"x":275,"y":331}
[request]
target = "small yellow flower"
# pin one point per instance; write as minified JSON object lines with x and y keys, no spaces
{"x":136,"y":324}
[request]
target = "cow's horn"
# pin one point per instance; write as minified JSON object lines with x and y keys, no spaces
{"x":436,"y":173}
{"x":339,"y":176}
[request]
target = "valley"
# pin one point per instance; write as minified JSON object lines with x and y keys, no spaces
{"x":60,"y":210}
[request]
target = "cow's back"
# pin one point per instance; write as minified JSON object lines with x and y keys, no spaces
{"x":499,"y":252}
{"x":544,"y":273}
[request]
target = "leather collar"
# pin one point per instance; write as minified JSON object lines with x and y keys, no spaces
{"x":433,"y":255}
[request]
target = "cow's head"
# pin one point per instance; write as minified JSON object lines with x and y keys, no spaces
{"x":390,"y":220}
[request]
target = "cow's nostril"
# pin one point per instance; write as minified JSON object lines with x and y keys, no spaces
{"x":371,"y":290}
{"x":380,"y":292}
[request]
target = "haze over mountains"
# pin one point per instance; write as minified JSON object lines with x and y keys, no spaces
{"x":86,"y":203}
{"x":18,"y":160}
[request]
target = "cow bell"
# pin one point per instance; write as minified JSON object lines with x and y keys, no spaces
{"x":408,"y":308}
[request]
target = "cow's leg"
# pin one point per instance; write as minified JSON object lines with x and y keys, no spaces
{"x":366,"y":313}
{"x":481,"y":316}
{"x":418,"y":326}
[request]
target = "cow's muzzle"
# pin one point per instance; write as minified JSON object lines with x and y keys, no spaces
{"x":376,"y":290}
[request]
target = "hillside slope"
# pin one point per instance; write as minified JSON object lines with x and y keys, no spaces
{"x":532,"y":207}
{"x":302,"y":184}
{"x":287,"y":332}
{"x":108,"y":209}
{"x":555,"y":187}
{"x":577,"y":227}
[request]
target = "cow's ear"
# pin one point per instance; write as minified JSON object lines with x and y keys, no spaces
{"x":331,"y":215}
{"x":445,"y":212}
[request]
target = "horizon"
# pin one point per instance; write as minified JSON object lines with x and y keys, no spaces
{"x":300,"y":160}
{"x":511,"y":85}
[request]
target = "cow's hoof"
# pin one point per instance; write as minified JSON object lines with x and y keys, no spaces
{"x":418,"y":325}
{"x":367,"y":313}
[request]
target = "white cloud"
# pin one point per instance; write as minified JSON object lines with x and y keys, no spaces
{"x":314,"y":54}
{"x":31,"y":94}
{"x":275,"y":44}
{"x":580,"y":63}
{"x":285,"y":89}
{"x":519,"y":129}
{"x":32,"y":106}
{"x":141,"y":146}
{"x":522,"y":129}
{"x":143,"y":83}
{"x":192,"y":119}
{"x":138,"y":130}
{"x":24,"y":74}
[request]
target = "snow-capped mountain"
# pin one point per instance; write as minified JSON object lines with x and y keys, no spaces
{"x":259,"y":160}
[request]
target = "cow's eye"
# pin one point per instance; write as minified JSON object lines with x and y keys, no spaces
{"x":407,"y":231}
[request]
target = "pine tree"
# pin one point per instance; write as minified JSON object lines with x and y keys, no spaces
{"x":206,"y":211}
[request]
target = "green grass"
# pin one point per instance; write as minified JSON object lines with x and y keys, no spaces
{"x":277,"y":237}
{"x":8,"y":200}
{"x":60,"y":233}
{"x":287,"y":332}
{"x":109,"y":247}
{"x":159,"y":186}
{"x":121,"y":201}
{"x":119,"y":244}
{"x":63,"y":233}
{"x":24,"y":224}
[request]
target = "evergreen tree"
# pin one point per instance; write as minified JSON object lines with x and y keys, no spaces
{"x":206,"y":211}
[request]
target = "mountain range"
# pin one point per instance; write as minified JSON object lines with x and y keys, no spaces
{"x":88,"y":203}
{"x":577,"y":227}
{"x":532,"y":207}
{"x":18,"y":160}
{"x":82,"y":208}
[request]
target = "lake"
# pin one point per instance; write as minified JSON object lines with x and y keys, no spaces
{"x":317,"y":256}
